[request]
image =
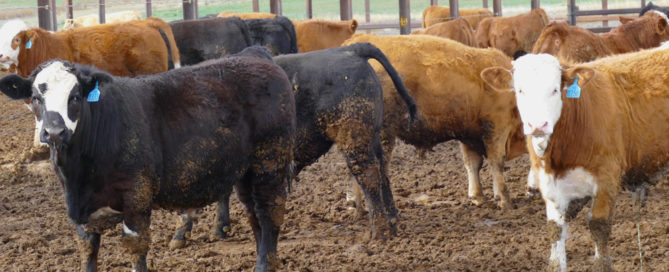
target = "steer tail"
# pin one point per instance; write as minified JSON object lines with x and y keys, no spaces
{"x":170,"y":62}
{"x":369,"y":51}
{"x":174,"y":58}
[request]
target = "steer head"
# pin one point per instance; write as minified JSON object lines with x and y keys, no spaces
{"x":540,"y":84}
{"x":58,"y":92}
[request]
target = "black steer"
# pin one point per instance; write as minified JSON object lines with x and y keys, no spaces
{"x":173,"y":140}
{"x":339,"y":100}
{"x":277,"y":34}
{"x":210,"y":38}
{"x":650,"y":6}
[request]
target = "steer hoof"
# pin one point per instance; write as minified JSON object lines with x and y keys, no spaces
{"x":533,"y":193}
{"x":602,"y":265}
{"x":477,"y":200}
{"x":175,"y":244}
{"x":223,"y":232}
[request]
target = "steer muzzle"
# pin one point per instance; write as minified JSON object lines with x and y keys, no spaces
{"x":54,"y":129}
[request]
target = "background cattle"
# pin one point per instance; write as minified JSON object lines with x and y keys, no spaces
{"x":436,"y":14}
{"x":210,"y":38}
{"x":93,"y":19}
{"x":277,"y":34}
{"x":458,"y":30}
{"x":139,"y":47}
{"x":8,"y":55}
{"x":513,"y":35}
{"x":650,"y":6}
{"x":339,"y":103}
{"x":592,"y":129}
{"x":453,"y":104}
{"x":172,"y":140}
{"x":320,"y":34}
{"x":251,"y":15}
{"x":575,"y":44}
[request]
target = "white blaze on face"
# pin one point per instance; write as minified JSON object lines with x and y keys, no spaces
{"x":59,"y":83}
{"x":7,"y":34}
{"x":536,"y":80}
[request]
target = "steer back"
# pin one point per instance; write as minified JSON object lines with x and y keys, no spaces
{"x":210,"y":38}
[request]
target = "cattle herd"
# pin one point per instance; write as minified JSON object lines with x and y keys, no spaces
{"x":144,"y":114}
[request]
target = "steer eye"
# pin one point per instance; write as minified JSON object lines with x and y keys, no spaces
{"x":521,"y":92}
{"x":75,"y":99}
{"x":555,"y":91}
{"x":37,"y":99}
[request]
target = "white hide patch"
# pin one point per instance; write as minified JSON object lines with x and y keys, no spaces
{"x":663,"y":46}
{"x":577,"y":183}
{"x":59,"y":83}
{"x":7,"y":33}
{"x":128,"y":231}
{"x":177,"y":64}
{"x":536,"y":81}
{"x":539,"y":144}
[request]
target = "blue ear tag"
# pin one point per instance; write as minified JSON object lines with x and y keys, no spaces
{"x":94,"y":95}
{"x":574,"y":91}
{"x":29,"y":44}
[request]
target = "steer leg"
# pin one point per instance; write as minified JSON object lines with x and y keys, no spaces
{"x":473,"y":162}
{"x":223,"y":215}
{"x":264,"y":198}
{"x":556,"y":227}
{"x":136,"y":238}
{"x":89,"y":245}
{"x":600,"y":228}
{"x":184,"y":229}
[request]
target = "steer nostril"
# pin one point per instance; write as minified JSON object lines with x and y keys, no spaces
{"x":545,"y":124}
{"x":530,"y":125}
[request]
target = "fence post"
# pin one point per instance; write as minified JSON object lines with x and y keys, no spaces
{"x":434,"y":3}
{"x":197,"y":9}
{"x":605,"y":5}
{"x":54,"y":22}
{"x":101,"y":11}
{"x":275,"y":6}
{"x":43,"y":14}
{"x":571,"y":8}
{"x":256,"y":6}
{"x":345,"y":10}
{"x":643,"y":3}
{"x":148,"y":8}
{"x":405,"y":17}
{"x":189,"y":11}
{"x":534,"y":4}
{"x":455,"y":10}
{"x":70,"y":13}
{"x":485,"y":3}
{"x":309,"y":10}
{"x":497,"y":7}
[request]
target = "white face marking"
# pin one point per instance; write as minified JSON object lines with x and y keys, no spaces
{"x":536,"y":81}
{"x":59,"y":83}
{"x":128,"y":231}
{"x":7,"y":34}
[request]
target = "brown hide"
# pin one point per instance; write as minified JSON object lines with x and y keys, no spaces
{"x":436,"y":14}
{"x":319,"y":34}
{"x":458,"y":30}
{"x":123,"y":49}
{"x":158,"y":23}
{"x":574,"y":44}
{"x":251,"y":15}
{"x":453,"y":102}
{"x":513,"y":34}
{"x":619,"y":124}
{"x":570,"y":44}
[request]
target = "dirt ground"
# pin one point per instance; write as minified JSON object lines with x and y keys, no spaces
{"x":439,"y":230}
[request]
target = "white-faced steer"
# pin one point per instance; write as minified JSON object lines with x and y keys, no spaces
{"x":123,"y":146}
{"x":591,"y":129}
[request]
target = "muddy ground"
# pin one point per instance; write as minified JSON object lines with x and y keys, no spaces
{"x":439,"y":230}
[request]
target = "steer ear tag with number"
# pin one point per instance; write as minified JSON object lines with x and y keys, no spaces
{"x":94,"y":95}
{"x":574,"y":91}
{"x":29,"y":44}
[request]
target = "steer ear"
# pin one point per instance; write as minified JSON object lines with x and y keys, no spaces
{"x":623,"y":20}
{"x":498,"y":78}
{"x":584,"y":75}
{"x":88,"y":82}
{"x":661,"y":26}
{"x":354,"y":25}
{"x":16,"y":87}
